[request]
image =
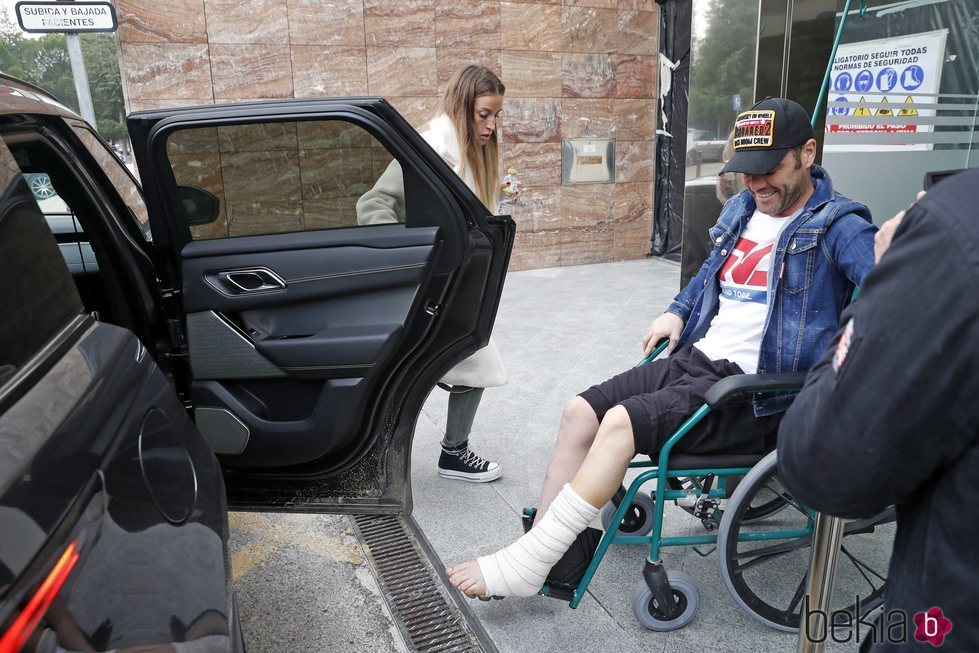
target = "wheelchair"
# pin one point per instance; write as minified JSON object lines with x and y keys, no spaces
{"x":762,"y":534}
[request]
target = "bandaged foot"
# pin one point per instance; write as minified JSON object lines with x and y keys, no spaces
{"x":521,"y":568}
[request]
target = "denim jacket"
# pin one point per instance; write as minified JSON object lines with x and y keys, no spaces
{"x":822,"y":254}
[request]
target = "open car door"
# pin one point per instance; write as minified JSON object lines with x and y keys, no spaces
{"x":304,"y":341}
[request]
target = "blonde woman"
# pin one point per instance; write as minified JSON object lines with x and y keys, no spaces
{"x":464,"y":134}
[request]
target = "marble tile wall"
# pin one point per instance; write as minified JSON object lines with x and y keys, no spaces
{"x":302,"y":176}
{"x":573,"y":69}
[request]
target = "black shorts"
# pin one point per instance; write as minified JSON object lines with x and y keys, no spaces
{"x":661,"y":395}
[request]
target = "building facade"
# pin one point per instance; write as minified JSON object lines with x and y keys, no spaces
{"x":576,"y":70}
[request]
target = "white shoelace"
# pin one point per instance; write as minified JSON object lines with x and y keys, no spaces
{"x":468,"y":457}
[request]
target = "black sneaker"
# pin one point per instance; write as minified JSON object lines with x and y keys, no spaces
{"x":462,"y":464}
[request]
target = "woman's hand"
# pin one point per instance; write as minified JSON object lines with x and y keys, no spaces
{"x":509,"y":188}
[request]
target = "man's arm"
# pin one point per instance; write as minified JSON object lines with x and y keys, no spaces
{"x":685,"y":300}
{"x":670,"y":324}
{"x":852,"y":246}
{"x":893,"y":403}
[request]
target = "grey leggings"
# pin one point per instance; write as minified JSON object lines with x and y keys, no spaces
{"x":463,"y":403}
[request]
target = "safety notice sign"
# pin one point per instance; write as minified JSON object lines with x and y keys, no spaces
{"x":886,"y":79}
{"x":70,"y":17}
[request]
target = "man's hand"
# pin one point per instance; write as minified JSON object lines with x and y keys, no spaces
{"x":882,"y":239}
{"x":667,"y":325}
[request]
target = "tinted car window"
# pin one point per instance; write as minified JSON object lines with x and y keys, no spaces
{"x":38,"y":296}
{"x":119,"y":175}
{"x":278,"y":177}
{"x":77,"y":214}
{"x":74,"y":246}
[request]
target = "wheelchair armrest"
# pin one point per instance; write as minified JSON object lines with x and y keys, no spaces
{"x":740,"y":384}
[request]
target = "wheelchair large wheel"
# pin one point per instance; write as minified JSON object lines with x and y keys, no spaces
{"x":685,"y":593}
{"x":637,"y":521}
{"x":767,"y":578}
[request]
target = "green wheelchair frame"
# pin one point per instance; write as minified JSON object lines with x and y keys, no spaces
{"x":669,"y":601}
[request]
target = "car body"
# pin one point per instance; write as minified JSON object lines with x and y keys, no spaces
{"x":702,"y":147}
{"x":224,"y":334}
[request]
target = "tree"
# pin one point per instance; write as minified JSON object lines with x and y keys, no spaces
{"x":44,"y":61}
{"x":723,"y":65}
{"x":102,"y":65}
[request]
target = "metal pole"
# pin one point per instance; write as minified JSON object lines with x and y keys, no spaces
{"x":826,"y":537}
{"x":81,"y":78}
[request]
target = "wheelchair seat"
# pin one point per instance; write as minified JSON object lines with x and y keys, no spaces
{"x":706,"y":461}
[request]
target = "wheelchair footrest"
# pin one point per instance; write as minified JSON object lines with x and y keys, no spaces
{"x":569,"y":570}
{"x":558,"y":592}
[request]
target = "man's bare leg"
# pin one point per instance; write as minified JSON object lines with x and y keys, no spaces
{"x":579,"y":426}
{"x":521,"y":568}
{"x":604,"y":468}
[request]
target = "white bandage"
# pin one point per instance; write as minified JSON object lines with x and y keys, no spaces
{"x":521,"y":568}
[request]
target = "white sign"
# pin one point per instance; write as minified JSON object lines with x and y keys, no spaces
{"x":886,"y":78}
{"x":66,"y":16}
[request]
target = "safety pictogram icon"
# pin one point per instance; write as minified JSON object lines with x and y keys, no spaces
{"x":884,"y":111}
{"x":908,"y":109}
{"x":862,"y":110}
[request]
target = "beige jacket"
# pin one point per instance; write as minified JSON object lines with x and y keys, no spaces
{"x":385,"y":203}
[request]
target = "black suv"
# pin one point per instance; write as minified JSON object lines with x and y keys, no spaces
{"x":223,"y":335}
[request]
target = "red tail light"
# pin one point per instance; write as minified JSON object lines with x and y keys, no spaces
{"x":27,"y":620}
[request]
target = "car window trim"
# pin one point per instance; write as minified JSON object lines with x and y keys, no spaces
{"x":131,"y":225}
{"x":44,"y":359}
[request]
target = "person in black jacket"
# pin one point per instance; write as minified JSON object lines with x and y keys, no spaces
{"x":890,"y":416}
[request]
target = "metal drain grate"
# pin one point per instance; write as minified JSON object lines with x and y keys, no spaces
{"x":429,"y":618}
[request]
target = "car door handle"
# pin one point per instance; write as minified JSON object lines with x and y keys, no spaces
{"x":238,"y":282}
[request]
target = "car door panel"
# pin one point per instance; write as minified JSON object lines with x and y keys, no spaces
{"x":318,"y":270}
{"x":304,"y":346}
{"x":339,"y":306}
{"x":332,"y":352}
{"x":339,"y":312}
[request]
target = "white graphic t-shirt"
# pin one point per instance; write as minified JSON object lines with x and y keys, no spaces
{"x":735,"y":332}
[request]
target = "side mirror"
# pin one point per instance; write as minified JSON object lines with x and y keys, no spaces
{"x":199,"y":206}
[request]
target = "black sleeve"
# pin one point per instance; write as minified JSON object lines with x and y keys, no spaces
{"x":894,"y":404}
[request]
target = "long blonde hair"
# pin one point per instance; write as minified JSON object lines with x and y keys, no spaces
{"x":458,"y":103}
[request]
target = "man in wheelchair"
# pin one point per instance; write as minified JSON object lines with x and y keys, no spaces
{"x":787,"y":253}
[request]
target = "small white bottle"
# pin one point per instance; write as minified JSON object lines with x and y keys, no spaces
{"x":509,"y":193}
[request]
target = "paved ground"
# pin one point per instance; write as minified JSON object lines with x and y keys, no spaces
{"x":303,"y":585}
{"x":559,"y":330}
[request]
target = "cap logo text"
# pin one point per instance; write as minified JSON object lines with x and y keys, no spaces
{"x":754,"y":129}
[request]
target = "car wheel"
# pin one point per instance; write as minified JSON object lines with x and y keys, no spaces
{"x":41,"y":187}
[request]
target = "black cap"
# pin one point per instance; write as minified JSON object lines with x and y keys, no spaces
{"x":765,"y":132}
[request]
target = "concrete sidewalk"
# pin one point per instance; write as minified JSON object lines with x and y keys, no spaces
{"x":559,"y":331}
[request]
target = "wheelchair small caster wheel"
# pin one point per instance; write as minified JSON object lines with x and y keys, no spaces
{"x":638,"y":519}
{"x":684,"y":593}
